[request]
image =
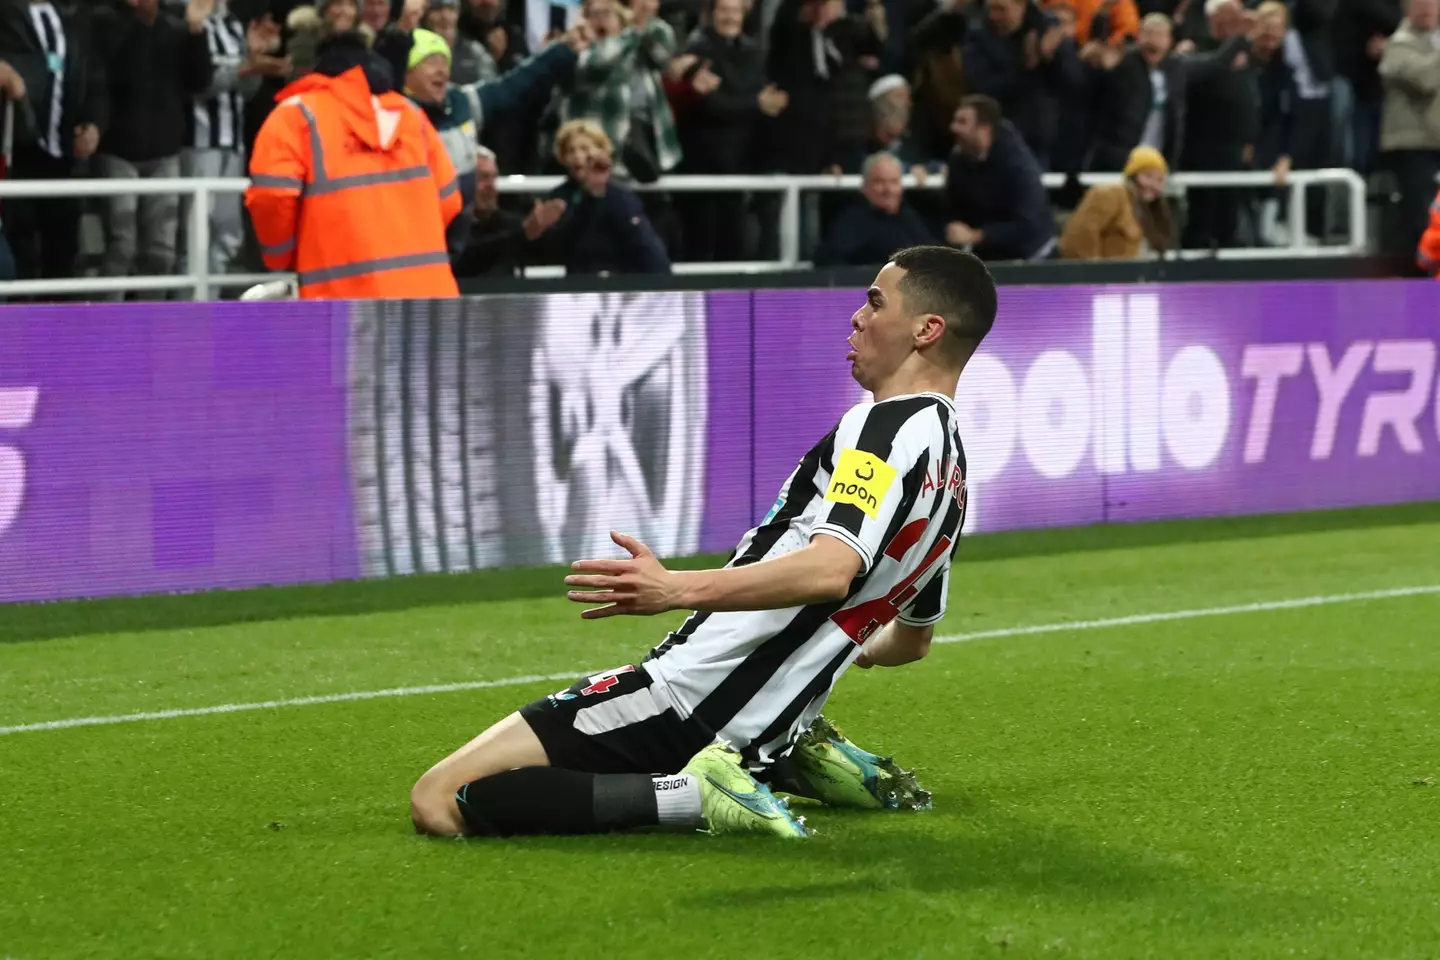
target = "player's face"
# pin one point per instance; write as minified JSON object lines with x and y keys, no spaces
{"x":882,"y":333}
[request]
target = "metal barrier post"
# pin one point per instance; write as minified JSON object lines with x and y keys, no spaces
{"x":1297,"y":211}
{"x":198,"y":235}
{"x":790,"y":225}
{"x":1359,"y":216}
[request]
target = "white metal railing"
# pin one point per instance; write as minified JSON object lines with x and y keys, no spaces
{"x":202,"y":283}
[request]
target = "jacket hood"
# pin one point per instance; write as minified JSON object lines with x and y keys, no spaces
{"x":353,"y":92}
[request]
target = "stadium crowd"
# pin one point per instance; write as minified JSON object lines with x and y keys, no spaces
{"x":987,"y":94}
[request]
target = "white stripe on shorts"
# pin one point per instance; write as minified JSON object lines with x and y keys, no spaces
{"x":618,"y":712}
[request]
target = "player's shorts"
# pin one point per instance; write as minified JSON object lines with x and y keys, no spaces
{"x":615,"y":722}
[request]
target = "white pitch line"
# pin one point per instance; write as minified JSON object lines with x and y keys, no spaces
{"x":1061,"y":627}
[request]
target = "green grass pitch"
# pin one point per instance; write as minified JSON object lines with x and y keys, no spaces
{"x":1253,"y":784}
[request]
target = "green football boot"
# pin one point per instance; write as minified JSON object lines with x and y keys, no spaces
{"x":834,"y":771}
{"x":732,"y":801}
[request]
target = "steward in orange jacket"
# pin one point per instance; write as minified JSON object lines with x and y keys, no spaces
{"x":350,"y":185}
{"x":1428,"y":256}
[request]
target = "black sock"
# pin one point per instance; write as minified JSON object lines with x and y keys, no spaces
{"x":534,"y":800}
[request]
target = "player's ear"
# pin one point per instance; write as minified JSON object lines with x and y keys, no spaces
{"x":930,"y":329}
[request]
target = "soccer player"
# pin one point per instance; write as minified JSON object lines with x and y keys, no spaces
{"x":851,"y":566}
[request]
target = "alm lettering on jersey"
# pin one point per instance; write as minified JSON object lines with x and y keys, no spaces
{"x":861,"y":479}
{"x":934,"y":481}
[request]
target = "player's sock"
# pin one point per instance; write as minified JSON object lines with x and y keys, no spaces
{"x":548,"y":800}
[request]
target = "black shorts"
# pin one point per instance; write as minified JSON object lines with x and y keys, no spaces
{"x":612,"y":723}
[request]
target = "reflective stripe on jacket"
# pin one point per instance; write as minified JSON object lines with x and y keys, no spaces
{"x":353,"y":192}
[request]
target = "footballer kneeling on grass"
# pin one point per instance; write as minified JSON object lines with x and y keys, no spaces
{"x":851,"y":566}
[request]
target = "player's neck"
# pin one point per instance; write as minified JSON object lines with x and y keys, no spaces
{"x":900,"y":386}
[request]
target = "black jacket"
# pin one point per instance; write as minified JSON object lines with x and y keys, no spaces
{"x":1032,"y":99}
{"x":83,"y":97}
{"x":1355,"y":23}
{"x":1275,"y":96}
{"x":717,"y":130}
{"x":1222,"y":114}
{"x":608,"y":234}
{"x":1314,"y":21}
{"x":1002,"y":195}
{"x":1123,"y":100}
{"x":496,"y":245}
{"x":801,"y":139}
{"x":863,"y":235}
{"x":152,"y":74}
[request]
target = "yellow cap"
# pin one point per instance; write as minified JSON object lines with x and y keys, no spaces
{"x":425,"y":44}
{"x":1145,"y":158}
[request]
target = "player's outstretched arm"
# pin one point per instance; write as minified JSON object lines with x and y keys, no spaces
{"x":819,"y":573}
{"x":896,"y":645}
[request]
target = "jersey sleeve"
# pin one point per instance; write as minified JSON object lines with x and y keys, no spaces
{"x":928,"y":606}
{"x":866,"y":489}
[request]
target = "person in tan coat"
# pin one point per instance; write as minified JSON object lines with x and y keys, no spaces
{"x":1126,"y":220}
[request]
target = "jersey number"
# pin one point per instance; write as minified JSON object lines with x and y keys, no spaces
{"x":860,"y":623}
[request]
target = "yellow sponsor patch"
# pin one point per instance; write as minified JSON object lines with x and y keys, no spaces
{"x":862,"y":479}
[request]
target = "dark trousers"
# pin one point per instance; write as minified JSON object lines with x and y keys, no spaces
{"x":1415,"y":172}
{"x":714,"y":226}
{"x":1212,"y":219}
{"x":44,"y":234}
{"x":1312,"y":146}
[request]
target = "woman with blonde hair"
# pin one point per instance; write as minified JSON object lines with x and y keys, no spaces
{"x":603,"y":228}
{"x":1125,"y":220}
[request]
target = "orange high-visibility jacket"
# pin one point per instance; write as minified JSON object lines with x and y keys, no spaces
{"x":1428,"y":256}
{"x":353,"y":192}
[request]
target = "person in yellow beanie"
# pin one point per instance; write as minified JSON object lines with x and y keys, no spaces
{"x":1125,"y":220}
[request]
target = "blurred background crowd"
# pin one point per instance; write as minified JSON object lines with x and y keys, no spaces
{"x":981,"y":95}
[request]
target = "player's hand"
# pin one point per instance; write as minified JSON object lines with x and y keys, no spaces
{"x":640,"y":586}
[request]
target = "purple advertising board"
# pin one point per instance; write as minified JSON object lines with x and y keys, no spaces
{"x":1126,"y":403}
{"x":174,"y":447}
{"x":169,"y":447}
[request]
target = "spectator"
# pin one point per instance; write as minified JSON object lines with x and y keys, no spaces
{"x":470,"y":60}
{"x":1022,"y":58}
{"x":1427,"y":257}
{"x":155,"y":65}
{"x":309,"y":25}
{"x":803,"y":62}
{"x":1113,"y":22}
{"x":1309,"y":51}
{"x":997,"y":204}
{"x":498,"y":240}
{"x":874,"y":227}
{"x":240,"y":57}
{"x":514,"y":137}
{"x":376,"y":15}
{"x":1410,"y":135}
{"x":1221,"y":126}
{"x":1123,"y":221}
{"x":483,"y":22}
{"x":1361,"y":28}
{"x":890,"y":107}
{"x":617,"y":84}
{"x":604,"y":228}
{"x":1139,"y":97}
{"x":936,"y":63}
{"x":57,"y":93}
{"x":859,"y":47}
{"x":725,"y":73}
{"x":459,"y":113}
{"x":1276,"y":96}
{"x":891,"y":22}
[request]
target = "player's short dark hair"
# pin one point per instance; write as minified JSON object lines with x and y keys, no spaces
{"x":953,"y":284}
{"x":987,"y":109}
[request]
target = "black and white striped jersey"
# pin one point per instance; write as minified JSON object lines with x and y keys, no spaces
{"x":889,"y":481}
{"x":217,"y":122}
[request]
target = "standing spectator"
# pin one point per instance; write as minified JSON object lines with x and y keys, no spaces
{"x":1139,"y":97}
{"x":604,"y":228}
{"x":936,"y":62}
{"x":875,"y":226}
{"x":997,"y":204}
{"x":1123,"y":221}
{"x":1410,"y":135}
{"x":499,"y":241}
{"x":1309,"y":51}
{"x":155,"y":65}
{"x":309,"y":25}
{"x":58,"y":95}
{"x":724,"y":69}
{"x":859,"y":46}
{"x":891,"y":23}
{"x":803,"y":62}
{"x":1221,"y":126}
{"x":215,"y":144}
{"x":617,"y":84}
{"x":1022,"y":58}
{"x":470,"y":60}
{"x":1277,"y":103}
{"x":1361,"y":27}
{"x":376,"y":15}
